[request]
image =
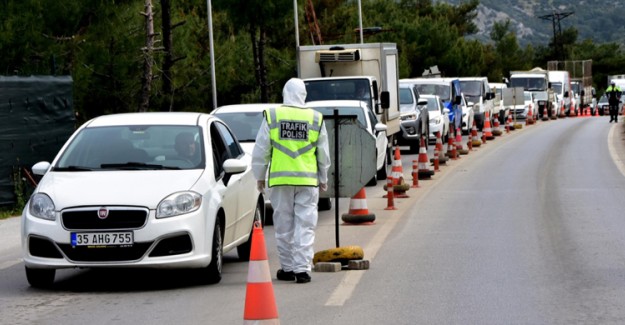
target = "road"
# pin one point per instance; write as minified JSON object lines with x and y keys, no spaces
{"x":527,"y":229}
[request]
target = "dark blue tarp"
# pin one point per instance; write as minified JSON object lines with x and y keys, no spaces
{"x":36,"y":118}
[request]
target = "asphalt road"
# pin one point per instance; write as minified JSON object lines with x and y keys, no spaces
{"x":527,"y":229}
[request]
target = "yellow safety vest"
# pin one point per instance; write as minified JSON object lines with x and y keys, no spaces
{"x":293,"y":133}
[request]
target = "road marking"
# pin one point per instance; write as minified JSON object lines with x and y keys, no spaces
{"x":10,"y":263}
{"x":612,"y":148}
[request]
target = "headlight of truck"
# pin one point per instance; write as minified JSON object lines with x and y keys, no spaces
{"x":41,"y":206}
{"x":178,"y":203}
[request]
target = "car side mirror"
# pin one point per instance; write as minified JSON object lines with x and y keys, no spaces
{"x":566,"y":94}
{"x":422,"y":102}
{"x":385,"y":101}
{"x":232,"y":167}
{"x":583,"y":93}
{"x":458,"y":100}
{"x":446,"y":110}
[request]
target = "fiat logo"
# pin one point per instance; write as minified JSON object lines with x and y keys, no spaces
{"x":103,"y":213}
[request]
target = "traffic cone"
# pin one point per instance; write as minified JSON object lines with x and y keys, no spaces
{"x":459,"y":148}
{"x":397,"y":173}
{"x":451,"y":149}
{"x":488,"y":133}
{"x":358,"y":212}
{"x":529,"y":117}
{"x":435,"y":160}
{"x":596,"y":111}
{"x":475,"y":138}
{"x":390,"y":197}
{"x":424,"y":172}
{"x":496,"y":131}
{"x":415,"y":173}
{"x":438,"y":151}
{"x":260,"y":302}
{"x":545,"y":114}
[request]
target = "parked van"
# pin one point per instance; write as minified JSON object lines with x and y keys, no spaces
{"x":480,"y":97}
{"x":561,"y":85}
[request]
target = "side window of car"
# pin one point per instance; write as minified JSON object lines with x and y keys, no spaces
{"x":233,"y":146}
{"x":220,"y":153}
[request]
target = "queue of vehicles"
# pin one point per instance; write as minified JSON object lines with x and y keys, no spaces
{"x":153,"y":208}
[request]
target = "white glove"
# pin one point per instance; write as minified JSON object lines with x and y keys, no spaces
{"x":260,"y":185}
{"x":323,"y":187}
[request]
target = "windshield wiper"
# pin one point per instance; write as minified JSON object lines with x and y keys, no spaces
{"x":72,"y":169}
{"x":131,"y":165}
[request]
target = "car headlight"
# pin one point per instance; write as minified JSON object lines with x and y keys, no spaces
{"x":41,"y":206}
{"x":436,"y":120}
{"x":178,"y":203}
{"x":406,"y":117}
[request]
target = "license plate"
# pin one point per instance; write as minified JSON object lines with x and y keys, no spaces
{"x":102,"y":239}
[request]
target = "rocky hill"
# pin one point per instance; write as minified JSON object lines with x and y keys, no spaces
{"x":601,"y":21}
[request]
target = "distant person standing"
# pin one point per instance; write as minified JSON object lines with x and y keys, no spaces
{"x":293,"y":144}
{"x":614,"y":95}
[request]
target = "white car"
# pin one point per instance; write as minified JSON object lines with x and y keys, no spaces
{"x":439,"y":117}
{"x":244,"y":120}
{"x":368,"y":119}
{"x":118,"y":194}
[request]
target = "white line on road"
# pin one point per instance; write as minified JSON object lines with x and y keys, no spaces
{"x":612,"y":147}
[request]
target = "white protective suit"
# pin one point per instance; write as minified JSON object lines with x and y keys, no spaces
{"x":294,"y":207}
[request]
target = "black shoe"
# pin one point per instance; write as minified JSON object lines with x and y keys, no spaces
{"x":285,"y":276}
{"x":302,"y":277}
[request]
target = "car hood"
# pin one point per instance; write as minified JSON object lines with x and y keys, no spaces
{"x":138,"y":188}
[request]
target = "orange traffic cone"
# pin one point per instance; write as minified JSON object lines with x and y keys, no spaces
{"x":390,"y":198}
{"x":451,"y":149}
{"x":545,"y":114}
{"x":496,"y":131}
{"x":260,"y":302}
{"x":459,"y":148}
{"x":529,"y":117}
{"x":415,"y":173}
{"x":397,"y":173}
{"x":438,"y":151}
{"x":424,"y":171}
{"x":358,"y":211}
{"x":597,"y":111}
{"x":488,"y":133}
{"x":476,"y":142}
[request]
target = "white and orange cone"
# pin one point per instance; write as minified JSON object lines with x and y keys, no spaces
{"x":358,"y":211}
{"x":260,"y":302}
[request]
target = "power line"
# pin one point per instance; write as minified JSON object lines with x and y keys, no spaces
{"x":555,"y":18}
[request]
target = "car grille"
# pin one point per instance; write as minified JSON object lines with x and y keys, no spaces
{"x":117,"y":218}
{"x":108,"y":254}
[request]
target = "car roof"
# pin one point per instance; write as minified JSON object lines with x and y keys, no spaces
{"x":151,"y":118}
{"x":341,"y":103}
{"x":425,"y":81}
{"x":244,"y":108}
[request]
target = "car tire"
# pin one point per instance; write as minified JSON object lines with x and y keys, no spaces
{"x":244,"y":249}
{"x":213,"y":270}
{"x":40,"y":278}
{"x":382,"y":173}
{"x":325,"y":204}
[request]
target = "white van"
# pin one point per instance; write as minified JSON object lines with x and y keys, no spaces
{"x":480,"y":96}
{"x":561,"y":85}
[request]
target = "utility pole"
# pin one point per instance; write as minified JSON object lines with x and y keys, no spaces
{"x":555,"y":18}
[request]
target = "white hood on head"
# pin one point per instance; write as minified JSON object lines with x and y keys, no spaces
{"x":294,"y":93}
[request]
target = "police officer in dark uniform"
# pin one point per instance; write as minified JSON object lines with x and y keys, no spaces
{"x":614,"y":95}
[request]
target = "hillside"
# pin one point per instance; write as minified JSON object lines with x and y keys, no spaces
{"x":598,"y":20}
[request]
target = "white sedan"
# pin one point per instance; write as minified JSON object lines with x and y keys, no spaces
{"x":153,"y":190}
{"x":439,"y":116}
{"x":368,"y":119}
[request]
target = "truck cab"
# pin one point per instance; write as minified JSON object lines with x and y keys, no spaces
{"x":480,"y":97}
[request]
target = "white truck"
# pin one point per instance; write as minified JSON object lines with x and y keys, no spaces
{"x":367,"y":71}
{"x":537,"y":82}
{"x":580,"y":72}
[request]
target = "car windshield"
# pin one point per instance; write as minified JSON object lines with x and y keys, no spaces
{"x":358,"y":111}
{"x":557,"y":87}
{"x":244,"y":125}
{"x":471,"y":88}
{"x":405,"y":97}
{"x":527,"y":96}
{"x":433,"y":104}
{"x":442,"y":91}
{"x":529,"y":83}
{"x":134,"y":147}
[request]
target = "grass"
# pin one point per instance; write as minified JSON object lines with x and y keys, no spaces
{"x":8,"y":212}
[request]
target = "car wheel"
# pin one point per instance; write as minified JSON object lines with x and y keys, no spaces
{"x":244,"y":249}
{"x":325,"y":204}
{"x":382,"y":174}
{"x":213,"y":270}
{"x":40,"y":278}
